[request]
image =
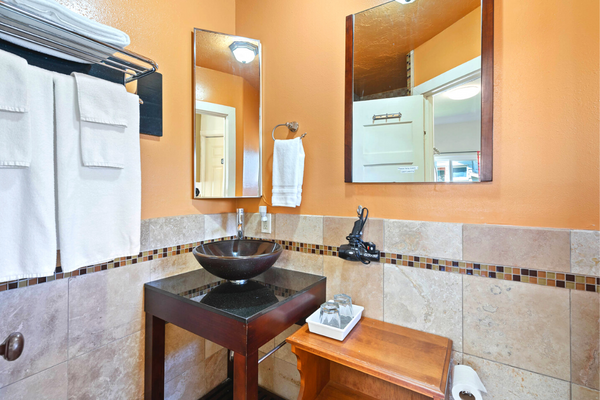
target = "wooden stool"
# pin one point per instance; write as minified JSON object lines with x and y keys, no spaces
{"x":377,"y":360}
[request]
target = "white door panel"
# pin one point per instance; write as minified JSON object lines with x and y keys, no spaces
{"x":381,"y":148}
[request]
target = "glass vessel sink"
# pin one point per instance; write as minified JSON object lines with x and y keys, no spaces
{"x":238,"y":260}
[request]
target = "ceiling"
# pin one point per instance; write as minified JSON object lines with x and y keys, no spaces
{"x":383,"y":35}
{"x":447,"y":110}
{"x":212,"y":51}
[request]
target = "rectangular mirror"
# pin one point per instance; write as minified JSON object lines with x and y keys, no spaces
{"x":419,"y":92}
{"x":227,"y":116}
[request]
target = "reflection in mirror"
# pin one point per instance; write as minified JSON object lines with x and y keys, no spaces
{"x":416,"y":110}
{"x":227,"y":128}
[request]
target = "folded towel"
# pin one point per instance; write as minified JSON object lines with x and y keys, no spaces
{"x":61,"y":15}
{"x":15,"y":134}
{"x":288,"y":172}
{"x":103,"y":121}
{"x":27,"y":208}
{"x":99,"y":209}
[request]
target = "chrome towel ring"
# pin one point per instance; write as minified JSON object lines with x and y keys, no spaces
{"x":292,"y":126}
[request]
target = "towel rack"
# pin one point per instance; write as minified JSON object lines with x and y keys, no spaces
{"x":292,"y":126}
{"x":31,"y":28}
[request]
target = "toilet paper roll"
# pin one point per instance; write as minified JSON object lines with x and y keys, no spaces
{"x":466,"y":380}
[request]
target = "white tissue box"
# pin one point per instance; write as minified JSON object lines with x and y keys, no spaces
{"x":315,"y":326}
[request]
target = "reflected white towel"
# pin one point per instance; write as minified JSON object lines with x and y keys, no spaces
{"x":27,"y":210}
{"x":288,"y":172}
{"x":63,"y":16}
{"x":99,"y":209}
{"x":15,"y":134}
{"x":103,"y":121}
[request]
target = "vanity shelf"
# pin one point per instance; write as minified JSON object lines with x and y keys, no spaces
{"x":376,"y":361}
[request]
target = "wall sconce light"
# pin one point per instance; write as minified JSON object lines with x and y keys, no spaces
{"x":244,"y":52}
{"x":406,"y":1}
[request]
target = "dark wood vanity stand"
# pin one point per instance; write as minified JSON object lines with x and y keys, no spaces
{"x":241,"y":318}
{"x":377,"y":360}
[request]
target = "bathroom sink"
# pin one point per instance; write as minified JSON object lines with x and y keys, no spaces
{"x":238,"y":260}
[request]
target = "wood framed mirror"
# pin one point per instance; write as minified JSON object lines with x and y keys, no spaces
{"x":419,"y":92}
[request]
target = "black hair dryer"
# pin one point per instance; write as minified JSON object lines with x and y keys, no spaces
{"x":357,"y":249}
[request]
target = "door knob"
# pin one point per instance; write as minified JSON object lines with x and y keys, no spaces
{"x":13,"y":346}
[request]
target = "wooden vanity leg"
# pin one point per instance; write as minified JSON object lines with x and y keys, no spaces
{"x":154,"y":375}
{"x":314,"y":373}
{"x":245,"y":376}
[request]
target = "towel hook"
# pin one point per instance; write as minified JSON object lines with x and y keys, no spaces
{"x":292,"y":126}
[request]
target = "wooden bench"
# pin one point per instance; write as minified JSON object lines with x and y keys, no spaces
{"x":377,"y":360}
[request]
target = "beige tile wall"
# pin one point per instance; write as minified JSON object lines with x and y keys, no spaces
{"x":84,"y":336}
{"x":526,"y":341}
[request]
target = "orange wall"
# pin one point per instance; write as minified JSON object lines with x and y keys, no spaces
{"x":452,"y":47}
{"x":546,"y":145}
{"x":162,"y":30}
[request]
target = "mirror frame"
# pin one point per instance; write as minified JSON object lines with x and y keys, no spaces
{"x":260,"y":118}
{"x":487,"y":96}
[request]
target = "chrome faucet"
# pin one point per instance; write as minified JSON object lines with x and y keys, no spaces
{"x":240,"y":223}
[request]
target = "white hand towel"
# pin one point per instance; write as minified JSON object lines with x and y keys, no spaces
{"x":288,"y":172}
{"x":15,"y":134}
{"x":63,"y":16}
{"x":27,"y":209}
{"x":103,"y":121}
{"x":99,"y":209}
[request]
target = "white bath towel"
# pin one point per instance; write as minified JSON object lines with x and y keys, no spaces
{"x":63,"y":16}
{"x":27,"y":209}
{"x":15,"y":134}
{"x":103,"y":121}
{"x":99,"y":209}
{"x":288,"y":172}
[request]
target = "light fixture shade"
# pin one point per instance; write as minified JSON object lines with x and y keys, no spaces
{"x":464,"y":92}
{"x":406,"y":1}
{"x":244,"y":52}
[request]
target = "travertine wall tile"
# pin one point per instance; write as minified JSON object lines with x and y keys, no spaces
{"x":210,"y":348}
{"x":424,"y":300}
{"x":190,"y":385}
{"x":583,"y":393}
{"x":219,"y":225}
{"x":300,"y":228}
{"x":418,"y":238}
{"x":335,"y":230}
{"x":40,"y":313}
{"x":113,"y":371}
{"x":364,"y":283}
{"x":215,"y":368}
{"x":50,"y":384}
{"x":105,"y":306}
{"x":302,"y":262}
{"x":546,"y":249}
{"x":279,"y":377}
{"x":171,"y":231}
{"x":161,"y":268}
{"x":504,"y":382}
{"x":585,"y":252}
{"x":585,"y":338}
{"x":183,"y":350}
{"x":502,"y":320}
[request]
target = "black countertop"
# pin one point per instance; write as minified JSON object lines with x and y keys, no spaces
{"x":240,"y":302}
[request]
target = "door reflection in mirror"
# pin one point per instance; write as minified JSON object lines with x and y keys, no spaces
{"x":227,"y":127}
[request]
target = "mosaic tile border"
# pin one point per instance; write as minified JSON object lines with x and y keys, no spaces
{"x":116,"y":263}
{"x":562,"y":280}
